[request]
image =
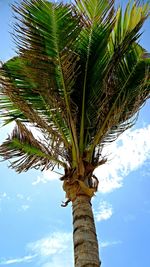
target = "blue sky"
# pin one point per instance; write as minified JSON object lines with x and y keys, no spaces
{"x":36,"y":231}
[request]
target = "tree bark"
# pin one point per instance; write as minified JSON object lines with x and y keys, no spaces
{"x":86,"y":253}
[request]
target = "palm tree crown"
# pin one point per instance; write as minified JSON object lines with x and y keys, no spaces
{"x":80,"y":77}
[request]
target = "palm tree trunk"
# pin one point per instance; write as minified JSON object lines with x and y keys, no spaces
{"x":86,"y":252}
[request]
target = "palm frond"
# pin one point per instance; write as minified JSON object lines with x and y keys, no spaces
{"x":20,"y":101}
{"x":102,"y":102}
{"x":31,"y":153}
{"x":133,"y":90}
{"x":96,"y":15}
{"x":45,"y":25}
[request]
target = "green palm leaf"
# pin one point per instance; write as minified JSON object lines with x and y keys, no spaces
{"x":44,"y":70}
{"x":31,"y":152}
{"x":45,"y":25}
{"x":90,"y":41}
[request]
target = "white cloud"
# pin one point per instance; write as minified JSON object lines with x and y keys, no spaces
{"x":24,"y":259}
{"x":128,"y":154}
{"x":106,"y":244}
{"x":56,"y":243}
{"x":46,"y":177}
{"x":104,"y":212}
{"x":54,"y":250}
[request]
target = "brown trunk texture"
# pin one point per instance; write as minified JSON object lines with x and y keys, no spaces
{"x":86,"y":253}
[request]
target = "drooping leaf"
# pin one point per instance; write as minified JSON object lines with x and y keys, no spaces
{"x":30,"y":152}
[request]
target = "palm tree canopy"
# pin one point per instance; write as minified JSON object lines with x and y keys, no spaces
{"x":80,"y":77}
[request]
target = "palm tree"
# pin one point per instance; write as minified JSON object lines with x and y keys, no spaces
{"x":80,"y":77}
